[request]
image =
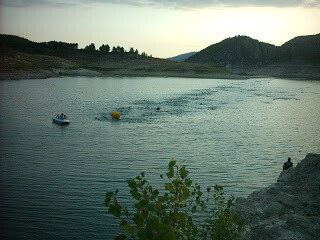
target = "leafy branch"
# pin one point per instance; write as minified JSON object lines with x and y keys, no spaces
{"x":172,"y":215}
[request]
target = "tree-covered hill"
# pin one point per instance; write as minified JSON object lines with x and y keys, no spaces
{"x":302,"y":49}
{"x":245,"y":51}
{"x":11,"y":43}
{"x":21,"y":58}
{"x":240,"y":50}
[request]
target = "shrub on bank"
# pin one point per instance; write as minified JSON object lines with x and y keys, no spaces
{"x":172,"y":215}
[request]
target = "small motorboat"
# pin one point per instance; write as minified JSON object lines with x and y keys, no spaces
{"x":61,"y":119}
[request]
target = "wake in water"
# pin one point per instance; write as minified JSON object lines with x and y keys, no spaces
{"x":196,"y":102}
{"x":145,"y":110}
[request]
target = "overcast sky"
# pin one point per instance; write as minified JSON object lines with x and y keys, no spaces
{"x":161,"y":28}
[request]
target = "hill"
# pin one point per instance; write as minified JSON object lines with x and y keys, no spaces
{"x":302,"y":49}
{"x":22,"y":58}
{"x":240,"y":50}
{"x":299,"y":57}
{"x":182,"y":57}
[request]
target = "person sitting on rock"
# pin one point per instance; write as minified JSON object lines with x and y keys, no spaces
{"x":288,"y":164}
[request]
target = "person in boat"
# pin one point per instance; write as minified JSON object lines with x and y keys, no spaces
{"x":62,"y":116}
{"x":288,"y":164}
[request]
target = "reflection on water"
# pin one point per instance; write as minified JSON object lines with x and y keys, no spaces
{"x":231,"y":132}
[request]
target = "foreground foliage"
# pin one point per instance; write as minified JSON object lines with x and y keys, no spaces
{"x":182,"y":212}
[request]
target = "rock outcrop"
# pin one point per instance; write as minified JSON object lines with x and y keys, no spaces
{"x":288,"y":209}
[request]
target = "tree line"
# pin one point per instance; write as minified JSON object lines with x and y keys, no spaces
{"x":62,"y":48}
{"x":106,"y":49}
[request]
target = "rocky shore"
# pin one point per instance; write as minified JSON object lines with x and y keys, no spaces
{"x":42,"y":74}
{"x":288,"y":209}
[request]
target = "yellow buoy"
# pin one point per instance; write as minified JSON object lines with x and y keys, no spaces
{"x":115,"y":115}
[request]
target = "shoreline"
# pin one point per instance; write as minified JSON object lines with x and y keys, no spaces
{"x":43,"y":74}
{"x":55,"y":73}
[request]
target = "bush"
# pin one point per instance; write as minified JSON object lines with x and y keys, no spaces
{"x":172,"y":215}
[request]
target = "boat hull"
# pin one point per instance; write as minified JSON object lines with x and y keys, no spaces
{"x":60,"y":121}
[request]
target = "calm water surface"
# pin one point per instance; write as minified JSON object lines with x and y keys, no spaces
{"x":236,"y":133}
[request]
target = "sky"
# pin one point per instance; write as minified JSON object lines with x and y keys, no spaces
{"x":161,"y":28}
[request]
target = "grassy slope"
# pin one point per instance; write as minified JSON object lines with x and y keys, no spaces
{"x":16,"y":64}
{"x":31,"y":62}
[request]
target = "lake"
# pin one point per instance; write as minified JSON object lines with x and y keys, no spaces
{"x":236,"y":133}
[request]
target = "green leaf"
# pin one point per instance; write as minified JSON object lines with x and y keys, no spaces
{"x":153,"y":221}
{"x":199,"y":193}
{"x":188,"y":182}
{"x":164,"y":227}
{"x":183,"y":172}
{"x":142,"y":204}
{"x":176,"y":183}
{"x":155,"y":193}
{"x":169,"y":187}
{"x":109,"y":194}
{"x":171,"y":236}
{"x":194,"y":209}
{"x":185,"y":192}
{"x":123,"y":222}
{"x":107,"y":201}
{"x":151,"y":207}
{"x":132,"y":183}
{"x":170,"y":174}
{"x":115,"y":210}
{"x":183,"y":203}
{"x":181,"y":216}
{"x":142,"y":182}
{"x":158,"y":205}
{"x":135,"y":194}
{"x":138,"y":219}
{"x":129,"y":229}
{"x":172,"y":163}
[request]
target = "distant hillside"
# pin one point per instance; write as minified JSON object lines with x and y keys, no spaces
{"x":10,"y":43}
{"x":297,"y":58}
{"x":247,"y":52}
{"x":21,"y":58}
{"x":240,"y":50}
{"x":302,"y":49}
{"x":243,"y":54}
{"x":182,"y":57}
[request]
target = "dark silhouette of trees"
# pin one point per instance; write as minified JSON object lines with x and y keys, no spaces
{"x":59,"y":45}
{"x":120,"y":50}
{"x":104,"y":48}
{"x":90,"y":48}
{"x":62,"y":49}
{"x":114,"y":50}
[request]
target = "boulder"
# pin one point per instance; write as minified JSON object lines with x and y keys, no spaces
{"x":288,"y":209}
